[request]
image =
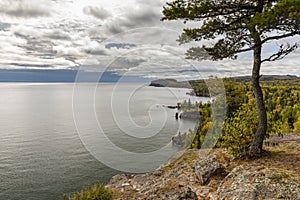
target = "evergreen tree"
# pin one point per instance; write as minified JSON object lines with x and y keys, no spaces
{"x":239,"y":26}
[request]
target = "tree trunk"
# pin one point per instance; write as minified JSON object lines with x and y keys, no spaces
{"x":257,"y":143}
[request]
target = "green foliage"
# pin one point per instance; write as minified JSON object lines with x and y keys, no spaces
{"x":98,"y":192}
{"x":282,"y":103}
{"x":297,"y":124}
{"x":200,"y":88}
{"x":240,"y":128}
{"x":203,"y":124}
{"x":236,"y":24}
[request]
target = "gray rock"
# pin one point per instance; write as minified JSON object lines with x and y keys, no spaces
{"x":178,"y":181}
{"x":188,"y":194}
{"x":207,"y":167}
{"x":244,"y":183}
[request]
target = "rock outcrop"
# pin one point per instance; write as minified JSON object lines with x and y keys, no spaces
{"x":175,"y":180}
{"x":190,"y":115}
{"x":207,"y":167}
{"x":252,"y":183}
{"x":218,"y":176}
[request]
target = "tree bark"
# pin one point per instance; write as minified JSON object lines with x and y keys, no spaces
{"x":257,"y":143}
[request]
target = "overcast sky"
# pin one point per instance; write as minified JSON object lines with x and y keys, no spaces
{"x":123,"y":36}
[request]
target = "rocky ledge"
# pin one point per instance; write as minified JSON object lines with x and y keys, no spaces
{"x":217,"y":176}
{"x":190,"y":115}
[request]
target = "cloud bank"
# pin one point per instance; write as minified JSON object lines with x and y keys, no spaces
{"x":125,"y":37}
{"x":25,"y":8}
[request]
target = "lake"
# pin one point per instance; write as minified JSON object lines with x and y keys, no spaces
{"x":57,"y":137}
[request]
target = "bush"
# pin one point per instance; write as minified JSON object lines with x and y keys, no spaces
{"x":239,"y":129}
{"x":98,"y":192}
{"x":297,"y":125}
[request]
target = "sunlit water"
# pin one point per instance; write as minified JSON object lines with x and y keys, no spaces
{"x":41,"y":154}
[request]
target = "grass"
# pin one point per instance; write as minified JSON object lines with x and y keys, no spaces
{"x":98,"y":192}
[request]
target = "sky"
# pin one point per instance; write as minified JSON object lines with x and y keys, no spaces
{"x":120,"y":37}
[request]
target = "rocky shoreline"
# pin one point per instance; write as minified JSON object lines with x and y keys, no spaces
{"x":216,"y":176}
{"x":190,"y":115}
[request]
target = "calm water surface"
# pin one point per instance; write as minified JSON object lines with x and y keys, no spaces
{"x":41,"y":154}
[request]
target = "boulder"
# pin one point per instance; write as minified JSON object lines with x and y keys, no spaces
{"x":207,"y":167}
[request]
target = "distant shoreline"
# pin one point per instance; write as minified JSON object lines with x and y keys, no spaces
{"x":187,"y":84}
{"x":200,"y":88}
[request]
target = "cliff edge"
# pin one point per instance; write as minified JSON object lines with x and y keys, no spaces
{"x":190,"y":175}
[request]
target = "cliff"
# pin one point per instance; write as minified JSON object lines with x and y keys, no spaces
{"x":189,"y":175}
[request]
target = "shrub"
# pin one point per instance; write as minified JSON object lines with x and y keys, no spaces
{"x":239,"y":129}
{"x":98,"y":192}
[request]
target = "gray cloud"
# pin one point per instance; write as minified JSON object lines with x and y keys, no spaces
{"x":58,"y":35}
{"x":154,"y":3}
{"x":97,"y":12}
{"x":71,"y":38}
{"x":35,"y":45}
{"x":70,"y":1}
{"x":113,"y":28}
{"x":143,"y":15}
{"x":4,"y":26}
{"x":119,"y":45}
{"x":96,"y":51}
{"x":25,"y":8}
{"x":122,"y":64}
{"x":146,"y":16}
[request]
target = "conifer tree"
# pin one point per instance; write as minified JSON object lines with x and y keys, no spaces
{"x":238,"y":26}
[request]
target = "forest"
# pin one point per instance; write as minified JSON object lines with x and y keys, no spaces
{"x":282,"y":102}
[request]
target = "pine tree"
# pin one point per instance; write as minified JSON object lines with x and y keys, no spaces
{"x":239,"y":26}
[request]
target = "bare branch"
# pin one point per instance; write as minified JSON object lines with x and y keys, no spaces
{"x":283,"y":51}
{"x":278,"y":37}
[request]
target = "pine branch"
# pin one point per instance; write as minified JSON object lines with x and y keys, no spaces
{"x":283,"y":52}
